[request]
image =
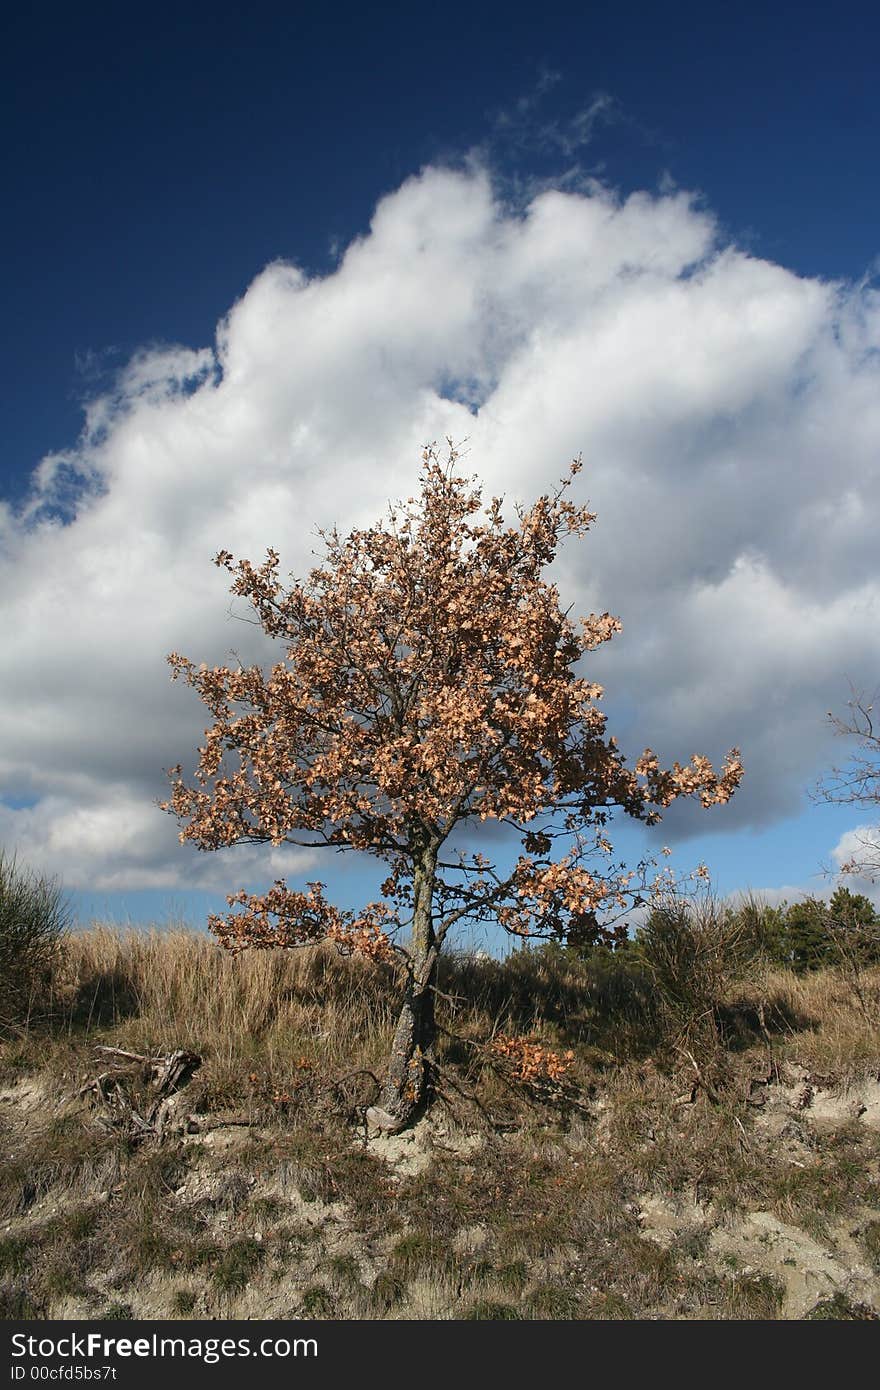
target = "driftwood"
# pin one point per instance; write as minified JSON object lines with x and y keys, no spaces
{"x":135,"y":1091}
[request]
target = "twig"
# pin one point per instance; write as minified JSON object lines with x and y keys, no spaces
{"x":687,"y":1097}
{"x":701,"y":1080}
{"x":131,"y":1056}
{"x":460,"y":1090}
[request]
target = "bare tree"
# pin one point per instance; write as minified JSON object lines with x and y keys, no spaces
{"x":858,"y":783}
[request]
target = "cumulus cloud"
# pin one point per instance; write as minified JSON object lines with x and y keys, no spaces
{"x":727,"y":410}
{"x":120,"y":842}
{"x":860,"y":848}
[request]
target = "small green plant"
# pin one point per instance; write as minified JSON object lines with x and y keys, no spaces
{"x":80,"y":1223}
{"x":268,"y":1209}
{"x":13,"y":1255}
{"x":236,"y":1266}
{"x":552,"y":1303}
{"x":316,"y":1302}
{"x":60,"y":1278}
{"x":117,"y":1312}
{"x":511,"y":1276}
{"x":183,"y":1302}
{"x":387,"y":1291}
{"x":487,"y":1311}
{"x":871,"y":1243}
{"x":345,"y":1271}
{"x":149,"y":1244}
{"x":415,"y":1250}
{"x":839,"y":1308}
{"x":757,"y":1296}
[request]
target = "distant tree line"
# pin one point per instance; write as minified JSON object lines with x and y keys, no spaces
{"x":808,"y":935}
{"x":813,"y":934}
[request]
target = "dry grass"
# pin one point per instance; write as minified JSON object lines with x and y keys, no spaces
{"x":839,"y":1038}
{"x":526,"y":1203}
{"x":273,"y":1015}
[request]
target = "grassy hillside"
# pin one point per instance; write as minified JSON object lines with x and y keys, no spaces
{"x":711,"y":1154}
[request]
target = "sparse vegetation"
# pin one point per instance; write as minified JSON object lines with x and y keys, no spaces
{"x":626,"y":1188}
{"x":841,"y":1309}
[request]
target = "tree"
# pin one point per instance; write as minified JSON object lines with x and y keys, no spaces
{"x":851,"y":909}
{"x":807,"y":943}
{"x":858,"y":784}
{"x":814,"y":935}
{"x":428,"y":687}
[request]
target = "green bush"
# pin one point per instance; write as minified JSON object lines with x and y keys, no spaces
{"x":807,"y":942}
{"x":692,"y":952}
{"x":808,"y":935}
{"x":33,"y":918}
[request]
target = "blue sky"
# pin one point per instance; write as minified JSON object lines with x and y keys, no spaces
{"x":683,"y":197}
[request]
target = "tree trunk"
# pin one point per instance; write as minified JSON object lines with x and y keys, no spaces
{"x":406,"y":1089}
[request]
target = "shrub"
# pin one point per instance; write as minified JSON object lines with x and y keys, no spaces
{"x":692,"y":952}
{"x":33,"y":918}
{"x":316,"y":1302}
{"x":183,"y":1302}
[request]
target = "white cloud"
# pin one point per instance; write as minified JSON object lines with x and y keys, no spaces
{"x":729,"y":416}
{"x":121,"y":842}
{"x":860,"y":847}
